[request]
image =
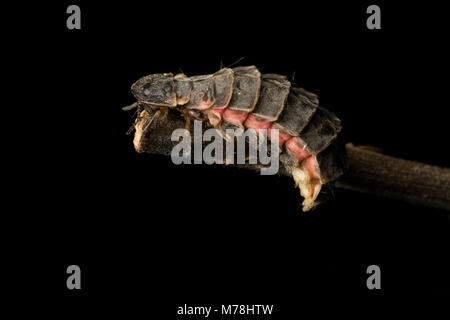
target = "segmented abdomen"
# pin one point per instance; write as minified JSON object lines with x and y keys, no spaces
{"x":242,"y":97}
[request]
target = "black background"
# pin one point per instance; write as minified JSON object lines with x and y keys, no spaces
{"x":149,"y":235}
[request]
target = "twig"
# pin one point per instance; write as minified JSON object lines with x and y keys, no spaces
{"x":369,"y":172}
{"x":410,"y":181}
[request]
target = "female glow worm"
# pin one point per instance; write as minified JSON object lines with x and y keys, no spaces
{"x":242,"y":97}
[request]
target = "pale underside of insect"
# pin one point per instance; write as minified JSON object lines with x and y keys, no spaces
{"x":242,"y":97}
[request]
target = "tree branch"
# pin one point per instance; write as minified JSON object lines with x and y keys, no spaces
{"x":369,"y":172}
{"x":390,"y":177}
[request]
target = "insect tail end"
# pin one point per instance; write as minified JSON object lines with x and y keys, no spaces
{"x":309,"y":188}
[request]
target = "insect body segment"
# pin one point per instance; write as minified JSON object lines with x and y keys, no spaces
{"x":203,"y":93}
{"x":156,"y":90}
{"x":183,"y":89}
{"x":246,"y":90}
{"x":244,"y":98}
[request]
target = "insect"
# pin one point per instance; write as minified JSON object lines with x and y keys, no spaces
{"x":242,"y":97}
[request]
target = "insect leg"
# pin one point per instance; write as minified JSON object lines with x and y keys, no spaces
{"x":136,"y":113}
{"x":130,"y":107}
{"x":164,"y":112}
{"x":155,"y":116}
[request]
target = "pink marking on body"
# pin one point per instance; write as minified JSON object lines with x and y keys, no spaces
{"x":256,"y":123}
{"x":218,"y":112}
{"x":309,"y":165}
{"x":235,"y":117}
{"x":180,"y":76}
{"x":204,"y":105}
{"x":296,"y":150}
{"x":182,"y":101}
{"x":282,"y":136}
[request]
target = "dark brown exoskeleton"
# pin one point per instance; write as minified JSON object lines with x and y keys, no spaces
{"x":242,"y":97}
